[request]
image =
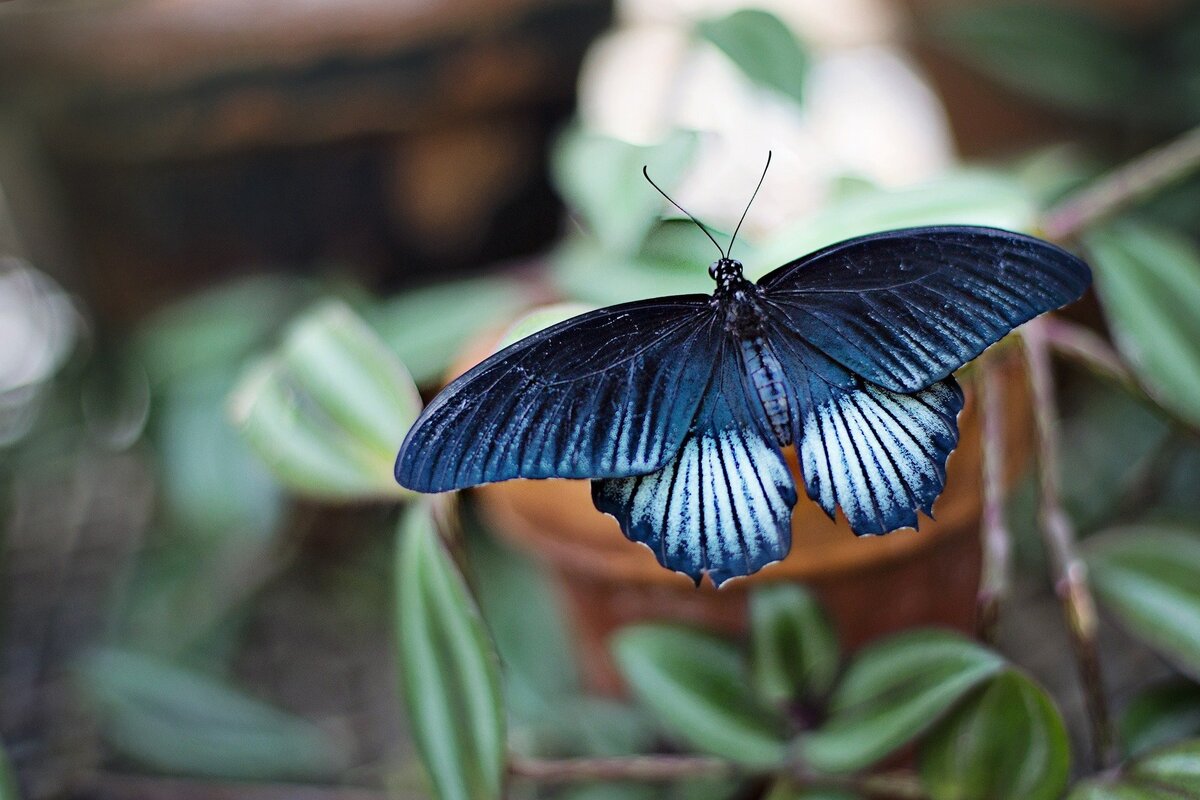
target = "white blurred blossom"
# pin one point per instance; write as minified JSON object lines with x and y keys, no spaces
{"x":38,"y":326}
{"x":867,"y":113}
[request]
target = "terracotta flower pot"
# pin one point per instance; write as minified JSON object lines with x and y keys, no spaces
{"x":871,"y":586}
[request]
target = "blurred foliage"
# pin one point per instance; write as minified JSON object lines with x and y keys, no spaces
{"x":1162,"y":713}
{"x":329,"y":410}
{"x":1007,"y":743}
{"x":1078,"y":61}
{"x":795,"y":650}
{"x":177,"y":721}
{"x":1166,"y":773}
{"x":1149,"y":577}
{"x":699,"y":689}
{"x":765,"y":49}
{"x":891,"y":692}
{"x":427,"y":328}
{"x":1148,"y":279}
{"x":8,"y":784}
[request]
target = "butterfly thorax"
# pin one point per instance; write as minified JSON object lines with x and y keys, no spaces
{"x":737,"y":298}
{"x":741,"y":302}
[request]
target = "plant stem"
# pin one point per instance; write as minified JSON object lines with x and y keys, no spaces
{"x":997,"y":545}
{"x":1071,"y":580}
{"x":1089,"y":349}
{"x":1146,"y":174}
{"x":660,"y":768}
{"x":653,"y":768}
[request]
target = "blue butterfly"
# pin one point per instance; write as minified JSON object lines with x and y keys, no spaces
{"x":678,"y":408}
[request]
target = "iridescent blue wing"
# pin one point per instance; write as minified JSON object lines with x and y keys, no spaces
{"x":605,"y":394}
{"x":879,"y":455}
{"x":905,"y":308}
{"x":723,"y":504}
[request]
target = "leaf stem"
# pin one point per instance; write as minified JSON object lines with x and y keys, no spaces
{"x":997,"y":545}
{"x":646,"y":768}
{"x":899,"y":784}
{"x":1144,"y":175}
{"x":1071,"y":579}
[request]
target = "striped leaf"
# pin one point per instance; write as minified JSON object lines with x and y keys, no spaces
{"x":893,"y":692}
{"x":1149,"y":576}
{"x":449,"y":673}
{"x":328,"y":411}
{"x":1007,"y":743}
{"x":794,"y":647}
{"x":699,"y":689}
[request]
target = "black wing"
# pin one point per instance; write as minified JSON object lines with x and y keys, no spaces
{"x":879,"y":455}
{"x":605,"y":394}
{"x":905,"y":308}
{"x":723,"y":505}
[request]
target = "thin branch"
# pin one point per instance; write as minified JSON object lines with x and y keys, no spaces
{"x":1071,"y":579}
{"x":650,"y":769}
{"x":1089,"y":349}
{"x":997,"y":543}
{"x":1127,"y":184}
{"x":903,"y":785}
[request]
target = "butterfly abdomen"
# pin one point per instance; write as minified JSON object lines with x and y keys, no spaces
{"x":766,"y":376}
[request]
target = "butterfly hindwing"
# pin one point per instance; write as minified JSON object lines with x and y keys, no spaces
{"x":879,"y":455}
{"x":605,"y":394}
{"x":905,"y":308}
{"x":723,"y":504}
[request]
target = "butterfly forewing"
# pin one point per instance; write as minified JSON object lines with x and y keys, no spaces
{"x":723,"y":504}
{"x":905,"y":308}
{"x":606,"y":394}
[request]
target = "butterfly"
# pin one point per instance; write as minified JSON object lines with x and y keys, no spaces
{"x":678,"y":409}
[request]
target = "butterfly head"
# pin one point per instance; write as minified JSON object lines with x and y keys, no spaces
{"x":726,"y":271}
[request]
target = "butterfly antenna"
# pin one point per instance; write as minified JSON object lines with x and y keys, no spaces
{"x":646,"y":174}
{"x":756,"y":188}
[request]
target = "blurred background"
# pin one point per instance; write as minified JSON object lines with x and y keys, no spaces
{"x":194,"y":192}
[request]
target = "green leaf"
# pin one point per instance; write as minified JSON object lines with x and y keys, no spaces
{"x":176,"y":721}
{"x":764,"y":49}
{"x":794,"y":647}
{"x":969,"y":197}
{"x":328,"y":412}
{"x":1172,"y":773}
{"x":1009,"y":741}
{"x":698,"y":688}
{"x":601,"y":179}
{"x":449,"y":673}
{"x":891,"y":693}
{"x":1069,"y":58}
{"x":428,"y":328}
{"x":1149,"y":576}
{"x":188,"y":590}
{"x":335,"y":359}
{"x":1163,"y":713}
{"x":1148,"y":279}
